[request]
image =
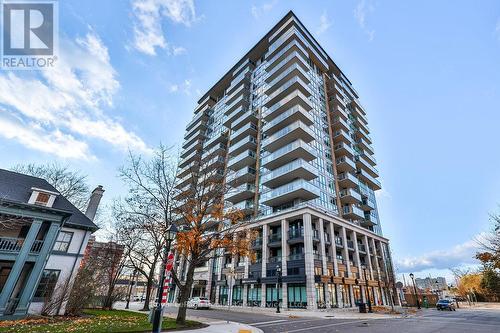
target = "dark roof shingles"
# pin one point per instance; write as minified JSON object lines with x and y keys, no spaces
{"x":16,"y":187}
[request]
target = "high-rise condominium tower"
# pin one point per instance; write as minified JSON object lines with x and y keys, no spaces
{"x":287,"y":128}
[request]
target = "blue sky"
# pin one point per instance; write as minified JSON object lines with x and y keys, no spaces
{"x":428,"y":72}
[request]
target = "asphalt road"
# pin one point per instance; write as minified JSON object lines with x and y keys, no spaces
{"x":466,"y":321}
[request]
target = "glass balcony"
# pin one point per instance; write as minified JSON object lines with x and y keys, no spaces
{"x":343,"y":149}
{"x":242,"y":88}
{"x":249,"y":142}
{"x":293,"y":46}
{"x":246,"y":117}
{"x":200,"y":116}
{"x":191,"y":167}
{"x":361,"y":162}
{"x":341,"y":135}
{"x":294,"y":98}
{"x":350,"y":245}
{"x":244,"y":175}
{"x":247,"y":158}
{"x":350,"y":196}
{"x":371,"y":219}
{"x":215,"y":138}
{"x":288,"y":172}
{"x":274,"y":240}
{"x":294,"y":70}
{"x":189,"y":159}
{"x":338,"y":241}
{"x":347,"y":179}
{"x":249,"y":128}
{"x":366,"y":177}
{"x":345,"y":164}
{"x":361,"y":133}
{"x":295,"y":131}
{"x":295,"y":234}
{"x":257,"y":243}
{"x":238,"y":112}
{"x":199,"y":126}
{"x":295,"y":83}
{"x":295,"y":150}
{"x":353,"y":212}
{"x":246,"y":206}
{"x":217,"y":150}
{"x":240,"y":101}
{"x":367,"y":204}
{"x":296,"y":256}
{"x":293,"y":57}
{"x":340,"y":124}
{"x":273,"y":260}
{"x":288,"y":117}
{"x":296,"y":189}
{"x":189,"y":149}
{"x":363,"y":144}
{"x":240,"y":193}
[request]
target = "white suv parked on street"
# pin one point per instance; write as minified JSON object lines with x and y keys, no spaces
{"x":198,"y":303}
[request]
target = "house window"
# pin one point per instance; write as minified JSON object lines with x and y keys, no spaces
{"x":42,"y":199}
{"x":47,"y":284}
{"x":63,"y":240}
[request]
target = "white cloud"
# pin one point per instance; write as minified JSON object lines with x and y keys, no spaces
{"x":259,"y":11}
{"x":450,"y":257}
{"x":65,"y":105}
{"x":36,"y":138}
{"x":363,"y":8}
{"x":178,"y":50}
{"x":324,"y":23}
{"x":185,"y":87}
{"x":149,"y":14}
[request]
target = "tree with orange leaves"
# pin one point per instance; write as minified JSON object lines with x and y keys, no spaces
{"x":206,"y":226}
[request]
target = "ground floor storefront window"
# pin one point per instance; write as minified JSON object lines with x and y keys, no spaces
{"x":320,"y":295}
{"x":332,"y":290}
{"x":254,"y":296}
{"x":223,"y":295}
{"x":297,"y":297}
{"x":237,"y":296}
{"x":357,"y":295}
{"x":272,"y":295}
{"x":345,"y":295}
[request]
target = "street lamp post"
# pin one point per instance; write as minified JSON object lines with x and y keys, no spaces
{"x":415,"y":290}
{"x":278,"y":282}
{"x":367,"y":292}
{"x":230,"y":291}
{"x":170,"y":235}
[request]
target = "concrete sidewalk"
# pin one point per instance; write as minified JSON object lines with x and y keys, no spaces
{"x":225,"y":327}
{"x":348,"y":313}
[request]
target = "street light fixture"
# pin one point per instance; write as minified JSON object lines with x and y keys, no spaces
{"x":170,"y":235}
{"x":415,"y":289}
{"x":367,"y":291}
{"x":278,"y":274}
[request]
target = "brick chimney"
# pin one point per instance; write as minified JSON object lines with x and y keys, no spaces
{"x":95,"y":199}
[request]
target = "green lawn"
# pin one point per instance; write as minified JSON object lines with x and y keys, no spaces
{"x":94,"y":321}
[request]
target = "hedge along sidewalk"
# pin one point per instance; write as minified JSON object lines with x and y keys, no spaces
{"x":95,"y":321}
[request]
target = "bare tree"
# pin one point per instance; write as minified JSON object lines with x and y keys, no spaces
{"x":146,"y":212}
{"x":71,"y":184}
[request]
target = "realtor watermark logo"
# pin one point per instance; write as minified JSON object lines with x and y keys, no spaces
{"x":29,"y":37}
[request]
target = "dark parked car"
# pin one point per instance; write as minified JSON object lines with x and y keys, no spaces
{"x":445,"y":304}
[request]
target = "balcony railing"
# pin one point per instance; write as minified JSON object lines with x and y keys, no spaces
{"x":273,"y":238}
{"x":274,"y":259}
{"x":14,"y":245}
{"x":296,"y":256}
{"x":295,"y":233}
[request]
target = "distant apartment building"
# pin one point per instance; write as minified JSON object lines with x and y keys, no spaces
{"x":42,"y":241}
{"x":429,"y":283}
{"x":286,"y":128}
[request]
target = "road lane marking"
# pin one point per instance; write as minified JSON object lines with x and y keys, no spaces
{"x":334,"y":324}
{"x":266,"y":322}
{"x":289,"y":322}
